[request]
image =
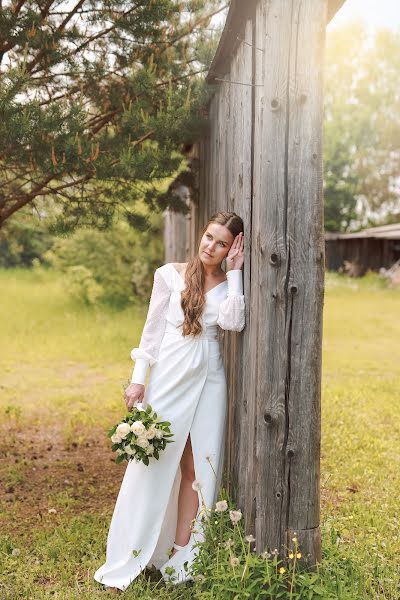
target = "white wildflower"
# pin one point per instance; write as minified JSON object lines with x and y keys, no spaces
{"x":196,"y":485}
{"x":250,"y":538}
{"x":235,"y":562}
{"x":221,"y":506}
{"x":235,"y":516}
{"x":16,"y":552}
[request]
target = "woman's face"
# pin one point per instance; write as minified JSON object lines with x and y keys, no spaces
{"x":215,"y":244}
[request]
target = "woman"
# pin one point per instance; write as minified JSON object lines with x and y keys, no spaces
{"x":157,"y":515}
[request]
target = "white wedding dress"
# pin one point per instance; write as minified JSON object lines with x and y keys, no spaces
{"x":187,"y":386}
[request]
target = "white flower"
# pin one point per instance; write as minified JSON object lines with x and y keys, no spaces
{"x":16,"y":552}
{"x":138,"y":428}
{"x":221,"y":506}
{"x":149,"y":450}
{"x":159,"y":433}
{"x":196,"y":485}
{"x":129,"y":450}
{"x":150,"y":433}
{"x":235,"y":562}
{"x":265,"y":555}
{"x":250,"y":538}
{"x":123,"y":429}
{"x":52,"y":511}
{"x":228,"y":544}
{"x":235,"y":516}
{"x":116,"y":439}
{"x":142,"y":442}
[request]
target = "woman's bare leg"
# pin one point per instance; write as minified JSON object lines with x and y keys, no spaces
{"x":188,"y":500}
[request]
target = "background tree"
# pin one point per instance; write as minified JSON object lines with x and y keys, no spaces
{"x":96,"y":99}
{"x":362,"y":127}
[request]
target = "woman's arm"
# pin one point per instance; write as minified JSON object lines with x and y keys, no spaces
{"x":146,"y":353}
{"x":231,"y":314}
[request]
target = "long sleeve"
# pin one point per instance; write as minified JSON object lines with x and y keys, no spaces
{"x":146,"y":353}
{"x":231,"y":314}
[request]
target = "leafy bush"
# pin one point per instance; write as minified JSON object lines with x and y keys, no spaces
{"x":115,"y":266}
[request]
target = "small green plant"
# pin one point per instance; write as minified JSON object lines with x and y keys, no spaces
{"x":13,"y":412}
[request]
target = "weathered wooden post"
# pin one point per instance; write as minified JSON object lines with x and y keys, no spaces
{"x":287,"y":273}
{"x":263,"y":159}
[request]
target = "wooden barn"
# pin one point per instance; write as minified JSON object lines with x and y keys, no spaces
{"x":262,"y":158}
{"x":371,"y":248}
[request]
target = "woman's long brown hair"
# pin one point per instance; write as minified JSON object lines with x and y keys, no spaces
{"x":193,"y":297}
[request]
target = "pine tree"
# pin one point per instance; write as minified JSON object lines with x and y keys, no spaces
{"x":97,"y":98}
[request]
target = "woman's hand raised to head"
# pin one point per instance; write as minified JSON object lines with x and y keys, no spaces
{"x":235,"y":256}
{"x":133,"y":393}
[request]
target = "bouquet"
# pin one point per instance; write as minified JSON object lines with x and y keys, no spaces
{"x":140,"y":435}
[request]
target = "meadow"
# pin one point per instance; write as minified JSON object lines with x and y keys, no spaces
{"x":63,"y":369}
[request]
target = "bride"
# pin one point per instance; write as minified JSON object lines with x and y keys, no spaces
{"x":157,"y":516}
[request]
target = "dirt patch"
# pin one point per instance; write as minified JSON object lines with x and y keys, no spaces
{"x":40,"y":472}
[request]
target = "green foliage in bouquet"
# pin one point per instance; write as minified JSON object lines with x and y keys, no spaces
{"x":140,"y":435}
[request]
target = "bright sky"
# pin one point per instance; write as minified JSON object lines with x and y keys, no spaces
{"x":376,"y":13}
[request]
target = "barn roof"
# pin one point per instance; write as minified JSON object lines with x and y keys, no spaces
{"x":238,"y":13}
{"x":387,"y":232}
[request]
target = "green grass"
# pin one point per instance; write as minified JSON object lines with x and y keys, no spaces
{"x":63,"y":367}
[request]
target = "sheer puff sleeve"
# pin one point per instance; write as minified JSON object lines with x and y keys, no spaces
{"x":146,"y":353}
{"x":231,"y":314}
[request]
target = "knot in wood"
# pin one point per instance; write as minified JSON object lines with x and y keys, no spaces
{"x":293,"y":289}
{"x":267,"y":418}
{"x":275,"y":104}
{"x":274,"y":259}
{"x":290,"y":453}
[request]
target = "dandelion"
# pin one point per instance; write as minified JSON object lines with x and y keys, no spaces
{"x":265,"y":555}
{"x":298,"y":555}
{"x":200,"y":578}
{"x":235,"y":562}
{"x":228,"y":544}
{"x":235,"y":516}
{"x":291,"y":555}
{"x":16,"y":552}
{"x":250,"y":538}
{"x":197,"y":485}
{"x":282,"y":570}
{"x":221,"y":506}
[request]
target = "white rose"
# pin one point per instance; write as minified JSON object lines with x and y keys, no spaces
{"x":123,"y":429}
{"x":138,"y":428}
{"x":150,"y":433}
{"x":149,"y":450}
{"x":142,"y":442}
{"x":129,"y":451}
{"x":116,"y":439}
{"x":159,"y":434}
